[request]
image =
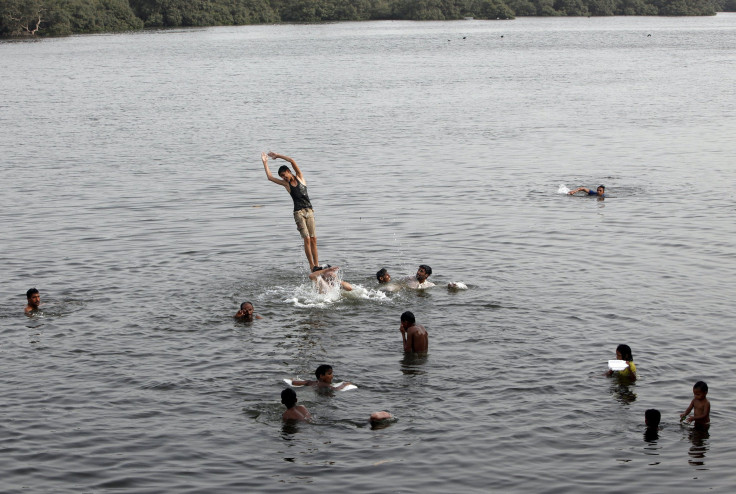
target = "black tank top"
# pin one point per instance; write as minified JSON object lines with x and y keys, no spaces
{"x":299,"y":195}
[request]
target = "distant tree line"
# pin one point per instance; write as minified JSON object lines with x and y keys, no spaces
{"x":62,"y":17}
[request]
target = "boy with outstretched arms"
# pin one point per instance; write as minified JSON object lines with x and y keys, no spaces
{"x":296,"y":186}
{"x":324,"y":379}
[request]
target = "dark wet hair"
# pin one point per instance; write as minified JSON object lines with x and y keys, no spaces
{"x":288,"y":397}
{"x":381,"y":272}
{"x":601,"y":187}
{"x":322,"y":370}
{"x":408,"y":317}
{"x":426,"y":269}
{"x":625,"y":351}
{"x":283,"y":168}
{"x":30,"y":292}
{"x":652,"y":417}
{"x":701,"y":386}
{"x":246,"y":302}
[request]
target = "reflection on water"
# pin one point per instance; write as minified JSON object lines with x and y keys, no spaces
{"x":412,"y":364}
{"x":699,"y":438}
{"x":622,"y":390}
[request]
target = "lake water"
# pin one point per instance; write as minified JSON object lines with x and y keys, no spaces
{"x":134,"y":199}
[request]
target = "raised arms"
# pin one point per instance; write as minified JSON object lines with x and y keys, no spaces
{"x":297,"y":171}
{"x":264,"y":159}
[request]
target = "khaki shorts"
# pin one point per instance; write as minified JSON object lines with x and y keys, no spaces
{"x":305,"y":222}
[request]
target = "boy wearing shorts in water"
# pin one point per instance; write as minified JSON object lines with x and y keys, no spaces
{"x":296,"y":186}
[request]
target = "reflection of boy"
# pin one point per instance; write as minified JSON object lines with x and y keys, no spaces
{"x":700,"y":406}
{"x":293,"y":412}
{"x":324,"y":379}
{"x":34,"y":300}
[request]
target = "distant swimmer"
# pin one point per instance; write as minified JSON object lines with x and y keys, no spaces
{"x":420,"y":280}
{"x":380,"y":420}
{"x":296,"y":186}
{"x":293,"y":411}
{"x":600,"y":191}
{"x":34,"y":301}
{"x":325,"y":279}
{"x":324,"y":379}
{"x":246,"y":312}
{"x":414,"y":336}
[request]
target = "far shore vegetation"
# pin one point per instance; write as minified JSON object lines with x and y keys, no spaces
{"x":31,"y":18}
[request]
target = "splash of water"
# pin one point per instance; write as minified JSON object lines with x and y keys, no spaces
{"x":563,"y":189}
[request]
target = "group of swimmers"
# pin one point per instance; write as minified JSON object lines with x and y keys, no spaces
{"x":699,"y":406}
{"x":414,"y":336}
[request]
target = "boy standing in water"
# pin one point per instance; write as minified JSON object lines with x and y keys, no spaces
{"x":700,"y":406}
{"x":296,"y":186}
{"x":414,"y":336}
{"x":293,"y":412}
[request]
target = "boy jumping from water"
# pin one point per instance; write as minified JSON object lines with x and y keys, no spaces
{"x":700,"y":406}
{"x":296,"y":186}
{"x":325,"y":279}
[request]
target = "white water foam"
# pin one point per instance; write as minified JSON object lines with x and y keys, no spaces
{"x":563,"y":189}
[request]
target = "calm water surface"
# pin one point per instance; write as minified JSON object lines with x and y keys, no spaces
{"x":133,"y":197}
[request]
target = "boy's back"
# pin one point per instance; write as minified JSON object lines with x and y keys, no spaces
{"x":297,"y":412}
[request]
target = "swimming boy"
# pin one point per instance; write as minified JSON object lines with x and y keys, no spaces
{"x":293,"y":411}
{"x":700,"y":406}
{"x":600,"y":191}
{"x":420,"y":280}
{"x":246,"y":312}
{"x":414,"y":336}
{"x":296,"y":186}
{"x":383,"y":276}
{"x":325,"y":279}
{"x":34,"y":301}
{"x":324,"y":379}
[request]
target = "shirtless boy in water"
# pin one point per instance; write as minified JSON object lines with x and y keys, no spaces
{"x":34,"y":301}
{"x":414,"y":336}
{"x":293,"y":411}
{"x":700,"y":406}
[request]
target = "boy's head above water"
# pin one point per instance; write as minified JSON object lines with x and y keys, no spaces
{"x":623,"y":352}
{"x":383,"y":276}
{"x":700,"y":389}
{"x":652,"y":417}
{"x":324,"y":373}
{"x":288,"y":397}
